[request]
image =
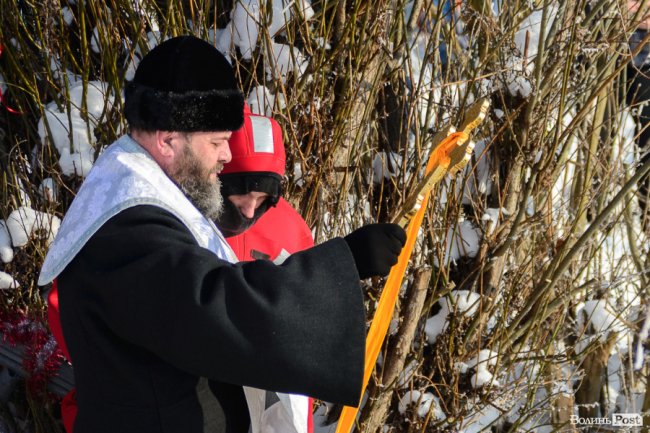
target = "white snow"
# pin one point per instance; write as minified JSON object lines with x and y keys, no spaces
{"x":435,"y":325}
{"x":483,"y":377}
{"x":283,"y":13}
{"x":519,"y":85}
{"x":531,"y":28}
{"x":97,"y":98}
{"x":22,"y":192}
{"x":430,"y":403}
{"x":460,"y":241}
{"x":462,"y":302}
{"x":20,"y":225}
{"x":6,"y":252}
{"x":75,"y":163}
{"x":425,"y":403}
{"x":285,"y":59}
{"x":484,"y":358}
{"x":409,"y":398}
{"x":262,"y":101}
{"x":48,"y":189}
{"x":482,"y":418}
{"x":624,"y":147}
{"x":460,"y":367}
{"x":480,"y":364}
{"x":67,"y":15}
{"x":614,"y":385}
{"x":597,"y":319}
{"x":518,"y":78}
{"x":94,"y":41}
{"x":3,"y":84}
{"x":58,"y":73}
{"x":406,"y":375}
{"x":23,"y":222}
{"x":7,"y":281}
{"x":491,"y":217}
{"x":478,"y":173}
{"x":322,"y":43}
{"x":244,"y":19}
{"x":72,"y":135}
{"x":393,"y":326}
{"x":153,"y":39}
{"x":297,"y":175}
{"x":602,"y":318}
{"x":385,"y":165}
{"x":223,"y":40}
{"x":639,"y":353}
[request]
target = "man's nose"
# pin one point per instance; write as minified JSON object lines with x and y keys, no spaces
{"x":225,"y":156}
{"x":248,"y":209}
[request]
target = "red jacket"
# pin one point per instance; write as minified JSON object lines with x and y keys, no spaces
{"x":280,"y":229}
{"x":258,"y":149}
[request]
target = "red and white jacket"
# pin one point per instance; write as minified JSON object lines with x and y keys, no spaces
{"x":258,"y":148}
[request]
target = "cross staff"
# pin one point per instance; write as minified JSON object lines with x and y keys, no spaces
{"x":452,"y":151}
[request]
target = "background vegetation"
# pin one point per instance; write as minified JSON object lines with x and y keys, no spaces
{"x":535,"y":256}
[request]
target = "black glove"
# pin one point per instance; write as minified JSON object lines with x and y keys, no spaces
{"x":375,"y":248}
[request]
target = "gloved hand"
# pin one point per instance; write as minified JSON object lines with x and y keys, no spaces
{"x":376,"y":247}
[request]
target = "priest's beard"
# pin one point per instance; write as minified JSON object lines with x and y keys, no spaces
{"x":195,"y":183}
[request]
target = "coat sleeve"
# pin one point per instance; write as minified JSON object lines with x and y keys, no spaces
{"x":296,"y":328}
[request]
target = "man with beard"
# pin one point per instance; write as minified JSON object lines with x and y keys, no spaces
{"x":152,"y":298}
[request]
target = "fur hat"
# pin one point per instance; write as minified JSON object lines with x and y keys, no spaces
{"x":186,"y":85}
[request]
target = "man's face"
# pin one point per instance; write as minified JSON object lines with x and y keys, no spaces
{"x":248,"y":203}
{"x":197,"y":166}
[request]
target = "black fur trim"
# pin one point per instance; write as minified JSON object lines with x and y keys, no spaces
{"x":149,"y":109}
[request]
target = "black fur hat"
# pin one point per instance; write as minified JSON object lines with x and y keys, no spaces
{"x":186,"y":85}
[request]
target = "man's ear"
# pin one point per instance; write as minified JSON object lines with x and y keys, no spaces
{"x":164,"y":144}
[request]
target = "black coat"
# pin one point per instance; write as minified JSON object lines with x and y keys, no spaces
{"x":145,"y":312}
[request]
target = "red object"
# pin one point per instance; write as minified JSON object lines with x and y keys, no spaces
{"x":257,"y":146}
{"x":53,"y":318}
{"x":281,"y":230}
{"x":69,"y":402}
{"x":2,"y":100}
{"x":42,"y":356}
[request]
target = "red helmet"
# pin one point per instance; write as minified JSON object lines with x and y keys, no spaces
{"x":257,"y":146}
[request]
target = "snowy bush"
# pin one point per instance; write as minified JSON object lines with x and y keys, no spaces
{"x":537,"y":250}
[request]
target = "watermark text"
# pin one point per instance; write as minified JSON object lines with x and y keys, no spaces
{"x":616,"y":420}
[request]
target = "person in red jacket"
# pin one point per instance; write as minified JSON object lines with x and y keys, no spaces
{"x":259,"y":223}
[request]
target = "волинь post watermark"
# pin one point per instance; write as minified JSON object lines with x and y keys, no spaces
{"x":616,"y":420}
